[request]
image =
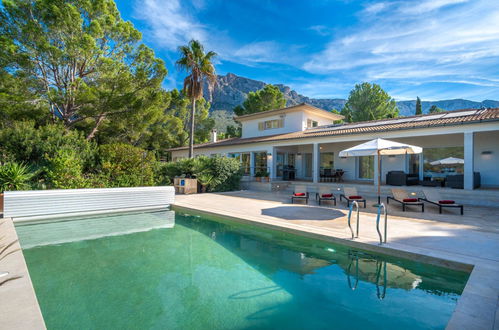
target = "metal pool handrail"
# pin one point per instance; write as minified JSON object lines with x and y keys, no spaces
{"x":381,"y":206}
{"x":379,"y":265}
{"x":350,"y":217}
{"x":356,"y":257}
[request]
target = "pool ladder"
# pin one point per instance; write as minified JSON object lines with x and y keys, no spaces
{"x":378,"y":218}
{"x":380,"y":268}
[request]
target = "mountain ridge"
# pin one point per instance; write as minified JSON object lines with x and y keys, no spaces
{"x":231,"y":90}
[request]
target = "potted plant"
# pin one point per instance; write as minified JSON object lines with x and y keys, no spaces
{"x":265,"y":176}
{"x":258,"y":176}
{"x":205,"y":180}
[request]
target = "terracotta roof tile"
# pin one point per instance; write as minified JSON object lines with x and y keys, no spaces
{"x":448,"y":118}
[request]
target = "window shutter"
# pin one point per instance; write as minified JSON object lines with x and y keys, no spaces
{"x":260,"y":126}
{"x":280,"y":123}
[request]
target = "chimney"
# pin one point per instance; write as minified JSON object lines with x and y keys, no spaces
{"x":213,"y":136}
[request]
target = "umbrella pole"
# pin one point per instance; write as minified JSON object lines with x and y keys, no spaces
{"x":379,"y":178}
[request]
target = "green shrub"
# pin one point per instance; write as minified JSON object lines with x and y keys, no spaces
{"x":14,"y":176}
{"x":218,"y":173}
{"x":65,"y":170}
{"x":123,"y":165}
{"x":226,"y":172}
{"x":24,"y":142}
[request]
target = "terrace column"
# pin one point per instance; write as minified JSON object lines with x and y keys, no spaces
{"x":468,"y":161}
{"x":421,"y":166}
{"x":271,"y":164}
{"x":316,"y":154}
{"x":252,"y":164}
{"x":376,"y":170}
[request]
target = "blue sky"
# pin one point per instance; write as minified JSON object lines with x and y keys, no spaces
{"x":434,"y":49}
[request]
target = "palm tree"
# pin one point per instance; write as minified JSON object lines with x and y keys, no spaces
{"x":198,"y":64}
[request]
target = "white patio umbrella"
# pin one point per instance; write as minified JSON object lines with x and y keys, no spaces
{"x":448,"y":161}
{"x":380,"y":147}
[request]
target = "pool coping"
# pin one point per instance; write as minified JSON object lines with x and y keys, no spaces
{"x":478,"y":306}
{"x":19,"y":305}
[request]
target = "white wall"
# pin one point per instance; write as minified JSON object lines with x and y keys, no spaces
{"x":293,"y":122}
{"x":451,"y":136}
{"x":487,"y":165}
{"x":321,"y":121}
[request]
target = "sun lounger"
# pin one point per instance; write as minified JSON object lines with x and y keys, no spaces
{"x":350,"y":194}
{"x":433,"y":197}
{"x":325,"y":194}
{"x":300,"y":193}
{"x":401,"y":196}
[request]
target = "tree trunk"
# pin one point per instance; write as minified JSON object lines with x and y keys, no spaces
{"x":96,"y":127}
{"x":191,"y":135}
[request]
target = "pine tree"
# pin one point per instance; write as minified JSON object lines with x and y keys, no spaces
{"x":419,"y":110}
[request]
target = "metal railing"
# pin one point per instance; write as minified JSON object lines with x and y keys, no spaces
{"x":382,"y":238}
{"x":382,"y":206}
{"x":354,"y":203}
{"x":353,"y":255}
{"x":381,"y":264}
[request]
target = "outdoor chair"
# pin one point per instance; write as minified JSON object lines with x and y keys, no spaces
{"x":350,"y":194}
{"x":325,"y":194}
{"x":300,"y":193}
{"x":433,"y":197}
{"x":401,"y":196}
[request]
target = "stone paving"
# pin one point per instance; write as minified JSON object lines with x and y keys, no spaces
{"x":18,"y":304}
{"x":467,"y":242}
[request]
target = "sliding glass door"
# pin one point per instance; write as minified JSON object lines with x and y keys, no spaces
{"x":366,"y":167}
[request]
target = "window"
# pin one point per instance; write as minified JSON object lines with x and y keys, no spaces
{"x":271,"y":124}
{"x":327,"y":160}
{"x":413,"y":164}
{"x":433,"y":168}
{"x":244,"y":159}
{"x":245,"y":163}
{"x":260,"y":162}
{"x":312,"y":123}
{"x":366,"y":167}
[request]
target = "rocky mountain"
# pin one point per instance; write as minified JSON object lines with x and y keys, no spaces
{"x":231,"y":90}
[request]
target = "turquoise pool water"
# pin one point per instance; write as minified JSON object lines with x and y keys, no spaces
{"x":163,"y":270}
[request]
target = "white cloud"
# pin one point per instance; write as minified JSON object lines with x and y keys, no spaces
{"x":321,"y":30}
{"x":453,"y":38}
{"x":169,"y":25}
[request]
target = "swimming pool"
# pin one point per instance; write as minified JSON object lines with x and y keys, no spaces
{"x":171,"y":270}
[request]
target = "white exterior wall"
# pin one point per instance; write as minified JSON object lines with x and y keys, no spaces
{"x":487,"y":165}
{"x":321,"y":121}
{"x":293,"y":122}
{"x":486,"y":139}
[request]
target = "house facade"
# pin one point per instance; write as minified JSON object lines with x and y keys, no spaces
{"x":303,"y":142}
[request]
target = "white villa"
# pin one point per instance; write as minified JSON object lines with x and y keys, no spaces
{"x":302,"y":143}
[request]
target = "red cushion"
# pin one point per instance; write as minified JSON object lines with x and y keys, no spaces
{"x":327,"y":195}
{"x":446,"y":201}
{"x":355,"y":197}
{"x":299,"y":194}
{"x":410,"y":200}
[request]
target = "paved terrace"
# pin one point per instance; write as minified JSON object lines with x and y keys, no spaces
{"x":465,"y":242}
